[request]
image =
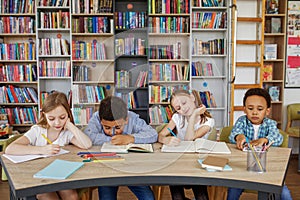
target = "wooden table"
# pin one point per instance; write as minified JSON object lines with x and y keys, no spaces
{"x":150,"y":169}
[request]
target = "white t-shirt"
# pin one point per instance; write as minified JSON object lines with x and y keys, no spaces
{"x":178,"y":119}
{"x":36,"y":139}
{"x":256,"y":127}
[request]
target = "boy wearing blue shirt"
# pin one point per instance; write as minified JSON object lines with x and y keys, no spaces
{"x":257,"y":128}
{"x":114,"y":123}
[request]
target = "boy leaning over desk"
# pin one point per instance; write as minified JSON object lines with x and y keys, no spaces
{"x":256,"y":127}
{"x":114,"y":123}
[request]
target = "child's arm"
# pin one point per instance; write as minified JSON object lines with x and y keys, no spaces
{"x":80,"y":139}
{"x":22,"y":146}
{"x":165,"y":137}
{"x":190,"y":133}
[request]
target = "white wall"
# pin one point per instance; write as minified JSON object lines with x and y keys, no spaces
{"x":291,"y":95}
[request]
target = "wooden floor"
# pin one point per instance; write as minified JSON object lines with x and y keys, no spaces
{"x":292,"y":181}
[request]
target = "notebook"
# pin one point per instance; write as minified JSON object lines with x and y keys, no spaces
{"x":200,"y":145}
{"x":59,"y":169}
{"x":24,"y":158}
{"x":144,"y":148}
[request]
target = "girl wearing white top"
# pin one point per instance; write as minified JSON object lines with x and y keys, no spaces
{"x":191,"y":120}
{"x":57,"y":125}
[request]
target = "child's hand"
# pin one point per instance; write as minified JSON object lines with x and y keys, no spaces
{"x":200,"y":110}
{"x":122,"y":139}
{"x":240,"y":140}
{"x":259,"y":142}
{"x":51,"y":149}
{"x":172,"y":141}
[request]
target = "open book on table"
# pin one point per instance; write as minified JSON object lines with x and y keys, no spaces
{"x":24,"y":158}
{"x":108,"y":147}
{"x":200,"y":145}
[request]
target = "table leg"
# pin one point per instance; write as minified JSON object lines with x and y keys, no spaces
{"x":269,"y":196}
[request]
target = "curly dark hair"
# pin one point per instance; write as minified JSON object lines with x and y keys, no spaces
{"x":259,"y":92}
{"x":112,"y":108}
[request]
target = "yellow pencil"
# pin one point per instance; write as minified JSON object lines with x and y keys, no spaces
{"x":48,"y":140}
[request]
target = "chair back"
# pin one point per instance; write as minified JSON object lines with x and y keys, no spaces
{"x":293,"y":114}
{"x":225,"y":132}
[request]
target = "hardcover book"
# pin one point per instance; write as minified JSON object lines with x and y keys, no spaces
{"x":267,"y":72}
{"x":213,"y":162}
{"x":270,"y":51}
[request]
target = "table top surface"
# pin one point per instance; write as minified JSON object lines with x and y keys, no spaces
{"x":150,"y":168}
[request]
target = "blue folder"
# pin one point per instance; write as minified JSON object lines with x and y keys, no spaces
{"x":59,"y":169}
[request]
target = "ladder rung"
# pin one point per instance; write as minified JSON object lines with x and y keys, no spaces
{"x":248,"y":64}
{"x":238,"y":108}
{"x":249,"y":19}
{"x":249,"y":42}
{"x":246,"y":86}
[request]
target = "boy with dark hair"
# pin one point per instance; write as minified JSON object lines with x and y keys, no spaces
{"x":114,"y":123}
{"x":257,"y":128}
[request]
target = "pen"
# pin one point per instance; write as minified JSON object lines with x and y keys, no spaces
{"x":172,"y":132}
{"x":99,"y":155}
{"x":113,"y":131}
{"x":87,"y":152}
{"x":265,"y":148}
{"x":48,"y":140}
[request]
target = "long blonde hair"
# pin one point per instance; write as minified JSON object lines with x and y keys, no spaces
{"x":51,"y":102}
{"x":198,"y":102}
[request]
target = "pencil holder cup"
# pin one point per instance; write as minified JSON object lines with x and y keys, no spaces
{"x":256,"y":161}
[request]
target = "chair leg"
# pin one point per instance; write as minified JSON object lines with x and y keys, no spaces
{"x":217,"y":192}
{"x":3,"y":175}
{"x":158,"y":191}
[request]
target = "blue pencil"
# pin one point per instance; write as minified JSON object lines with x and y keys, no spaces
{"x":172,"y":132}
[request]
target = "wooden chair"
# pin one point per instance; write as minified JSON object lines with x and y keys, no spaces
{"x":293,"y":115}
{"x":224,"y":136}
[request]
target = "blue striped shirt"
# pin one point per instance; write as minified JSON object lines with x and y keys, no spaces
{"x":137,"y":127}
{"x":268,"y":129}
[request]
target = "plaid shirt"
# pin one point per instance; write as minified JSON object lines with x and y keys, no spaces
{"x":268,"y":129}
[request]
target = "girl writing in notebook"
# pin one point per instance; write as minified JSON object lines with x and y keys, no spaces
{"x":191,"y":121}
{"x":54,"y":129}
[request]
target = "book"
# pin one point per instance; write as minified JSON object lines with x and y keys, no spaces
{"x":275,"y":25}
{"x":270,"y":51}
{"x":200,"y":145}
{"x":213,"y":162}
{"x":267,"y":72}
{"x":272,"y":6}
{"x":59,"y":169}
{"x":226,"y":167}
{"x":108,"y":147}
{"x":274,"y":92}
{"x":24,"y":158}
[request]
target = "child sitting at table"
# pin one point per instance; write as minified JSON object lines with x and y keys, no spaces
{"x":259,"y":129}
{"x":191,"y":121}
{"x":113,"y":122}
{"x":55,"y":129}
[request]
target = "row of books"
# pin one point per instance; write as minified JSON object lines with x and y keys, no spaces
{"x":161,"y":93}
{"x":21,"y":115}
{"x":130,"y":20}
{"x":53,"y":46}
{"x":13,"y":94}
{"x":55,"y":68}
{"x":129,"y":98}
{"x":122,"y":78}
{"x":53,"y":3}
{"x":87,"y":93}
{"x":83,"y":50}
{"x":17,"y":25}
{"x":92,"y":25}
{"x":82,"y":115}
{"x":208,"y":3}
{"x":169,"y":72}
{"x":169,"y":24}
{"x":208,"y":99}
{"x":130,"y":46}
{"x":17,"y":51}
{"x":172,"y":51}
{"x":18,"y":73}
{"x":81,"y":73}
{"x":210,"y":47}
{"x":92,"y":6}
{"x":160,"y":114}
{"x":202,"y":68}
{"x":52,"y":20}
{"x":213,"y":20}
{"x":17,"y":6}
{"x":168,"y":6}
